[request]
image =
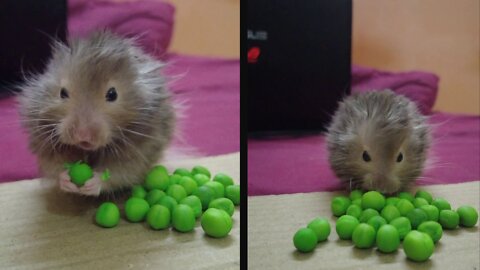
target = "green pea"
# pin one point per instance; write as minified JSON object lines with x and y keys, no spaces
{"x":356,"y":194}
{"x":223,"y":204}
{"x":168,"y":202}
{"x":374,"y":200}
{"x":357,"y":202}
{"x":345,"y":226}
{"x":321,"y":227}
{"x":205,"y":194}
{"x":216,"y":223}
{"x":223,"y":179}
{"x":416,"y":217}
{"x":418,"y":246}
{"x":390,"y":212}
{"x":407,"y":196}
{"x":139,"y":192}
{"x":195,"y":203}
{"x":468,"y":216}
{"x":388,"y":238}
{"x":432,"y":212}
{"x":158,"y":217}
{"x":107,"y":215}
{"x":177,"y":192}
{"x":157,"y":178}
{"x":183,"y":218}
{"x":182,"y":172}
{"x":363,"y":236}
{"x":418,"y":202}
{"x":441,"y":204}
{"x":154,"y":196}
{"x":376,"y":222}
{"x":404,"y":206}
{"x":432,"y":228}
{"x":305,"y":240}
{"x":233,"y":193}
{"x":425,"y":195}
{"x":392,"y":201}
{"x":188,"y":184}
{"x":201,"y":170}
{"x":354,"y":211}
{"x":449,"y":219}
{"x":367,"y":214}
{"x":136,"y":209}
{"x":218,"y":189}
{"x":174,"y":179}
{"x":201,"y":179}
{"x":403,"y":226}
{"x":80,"y":173}
{"x":339,"y":205}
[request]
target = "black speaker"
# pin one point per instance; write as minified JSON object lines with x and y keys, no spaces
{"x":299,"y":57}
{"x":26,"y":29}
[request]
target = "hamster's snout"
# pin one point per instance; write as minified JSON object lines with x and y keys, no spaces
{"x":381,"y":182}
{"x":85,"y":137}
{"x":87,"y":134}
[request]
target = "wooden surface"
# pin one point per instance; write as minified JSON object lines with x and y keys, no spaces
{"x":273,"y":220}
{"x":41,"y":228}
{"x":439,"y":36}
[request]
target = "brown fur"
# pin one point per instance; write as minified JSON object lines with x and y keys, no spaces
{"x":384,"y":125}
{"x":131,"y":133}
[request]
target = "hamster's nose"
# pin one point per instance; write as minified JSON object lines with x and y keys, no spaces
{"x":83,"y":135}
{"x":86,"y":138}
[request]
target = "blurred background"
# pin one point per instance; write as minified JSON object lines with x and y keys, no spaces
{"x":207,"y":28}
{"x":439,"y":36}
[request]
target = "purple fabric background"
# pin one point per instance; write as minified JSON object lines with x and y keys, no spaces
{"x":301,"y":164}
{"x":420,"y":87}
{"x":151,"y":21}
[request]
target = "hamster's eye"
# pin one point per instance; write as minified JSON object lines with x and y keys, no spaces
{"x":400,"y":157}
{"x":63,"y":93}
{"x":111,"y":94}
{"x":366,"y":156}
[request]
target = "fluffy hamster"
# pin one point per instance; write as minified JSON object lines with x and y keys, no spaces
{"x":378,"y":141}
{"x":101,"y":100}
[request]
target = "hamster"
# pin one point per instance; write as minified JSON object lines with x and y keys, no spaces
{"x":378,"y":141}
{"x":101,"y":100}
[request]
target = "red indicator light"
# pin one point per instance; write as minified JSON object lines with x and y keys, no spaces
{"x":253,"y":54}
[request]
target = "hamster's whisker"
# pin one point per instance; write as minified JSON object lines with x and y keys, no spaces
{"x":126,"y":140}
{"x":41,"y":133}
{"x":35,"y":120}
{"x":143,"y":124}
{"x":55,"y":139}
{"x":112,"y":147}
{"x":43,"y":127}
{"x":139,"y":134}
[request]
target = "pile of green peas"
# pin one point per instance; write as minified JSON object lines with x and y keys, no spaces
{"x":178,"y":200}
{"x":371,"y":218}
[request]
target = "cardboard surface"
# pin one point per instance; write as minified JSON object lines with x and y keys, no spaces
{"x":42,"y":228}
{"x":274,"y":219}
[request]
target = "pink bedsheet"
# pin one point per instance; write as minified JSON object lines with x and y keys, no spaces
{"x":300,"y":164}
{"x":210,"y":87}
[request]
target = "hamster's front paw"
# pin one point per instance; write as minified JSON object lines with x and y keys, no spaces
{"x":67,"y":185}
{"x":91,"y":188}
